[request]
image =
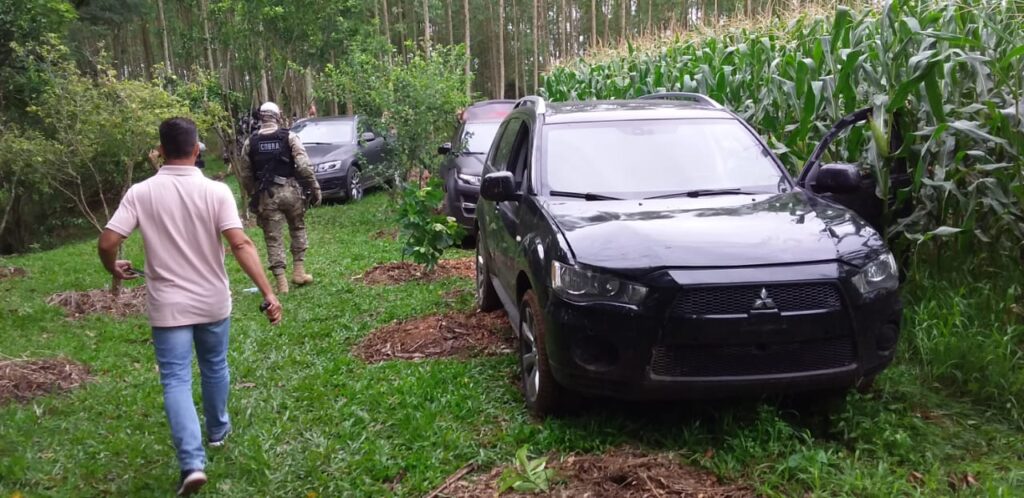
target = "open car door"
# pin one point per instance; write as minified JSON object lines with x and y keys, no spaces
{"x":847,"y":185}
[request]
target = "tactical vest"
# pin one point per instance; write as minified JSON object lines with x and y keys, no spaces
{"x":271,"y":154}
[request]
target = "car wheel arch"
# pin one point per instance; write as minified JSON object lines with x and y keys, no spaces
{"x":523,"y":284}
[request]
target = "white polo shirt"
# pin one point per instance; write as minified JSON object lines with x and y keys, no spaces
{"x":181,"y":215}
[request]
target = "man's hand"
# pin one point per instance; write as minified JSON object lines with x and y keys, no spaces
{"x":154,"y":158}
{"x":316,"y":198}
{"x":274,"y":311}
{"x":122,"y":270}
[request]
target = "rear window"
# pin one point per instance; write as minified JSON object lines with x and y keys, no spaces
{"x":651,"y":157}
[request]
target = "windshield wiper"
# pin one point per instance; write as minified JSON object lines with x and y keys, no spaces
{"x":589,"y":196}
{"x":317,"y":143}
{"x":702,"y":192}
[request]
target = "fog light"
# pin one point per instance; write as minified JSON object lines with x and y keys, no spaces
{"x":885,"y":339}
{"x":595,"y":353}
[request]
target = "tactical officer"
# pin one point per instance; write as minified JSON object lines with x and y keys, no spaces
{"x":275,"y":172}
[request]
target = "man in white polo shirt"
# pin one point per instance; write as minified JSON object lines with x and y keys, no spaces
{"x":182,"y":216}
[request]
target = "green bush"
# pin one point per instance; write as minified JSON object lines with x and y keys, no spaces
{"x":416,"y":98}
{"x":425,"y":233}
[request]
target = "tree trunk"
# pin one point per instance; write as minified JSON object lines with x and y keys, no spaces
{"x":536,"y":61}
{"x":264,"y":94}
{"x":163,"y":31}
{"x":451,"y":29}
{"x":204,"y":11}
{"x":469,"y":54}
{"x":516,"y":46}
{"x":623,"y":21}
{"x":593,"y":23}
{"x":501,"y":49}
{"x":426,"y":27}
{"x":607,"y":40}
{"x":387,"y":23}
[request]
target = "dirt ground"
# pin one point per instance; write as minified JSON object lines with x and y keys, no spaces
{"x":22,"y":380}
{"x":405,"y":271}
{"x":461,"y":335}
{"x":617,"y":473}
{"x":11,"y":272}
{"x":131,"y":301}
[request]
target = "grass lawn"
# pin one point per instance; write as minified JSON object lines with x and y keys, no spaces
{"x":312,"y":420}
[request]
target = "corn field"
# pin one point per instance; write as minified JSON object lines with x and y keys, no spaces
{"x":944,"y":79}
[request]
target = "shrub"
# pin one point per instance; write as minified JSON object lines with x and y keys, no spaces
{"x":426,"y":234}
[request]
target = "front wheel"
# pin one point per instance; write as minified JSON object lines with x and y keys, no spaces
{"x":486,"y":296}
{"x":544,"y":396}
{"x":354,"y":186}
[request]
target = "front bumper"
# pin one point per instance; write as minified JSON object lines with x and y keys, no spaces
{"x":334,"y":184}
{"x":616,"y":351}
{"x":462,"y":202}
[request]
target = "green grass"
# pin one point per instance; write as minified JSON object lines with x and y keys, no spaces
{"x":320,"y":420}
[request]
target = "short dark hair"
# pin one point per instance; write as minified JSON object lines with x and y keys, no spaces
{"x":179,"y":137}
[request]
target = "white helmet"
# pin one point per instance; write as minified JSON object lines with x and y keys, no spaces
{"x":270,"y":108}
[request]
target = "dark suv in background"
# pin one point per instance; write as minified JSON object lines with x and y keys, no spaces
{"x":464,"y":158}
{"x":657,"y":248}
{"x":346,"y":154}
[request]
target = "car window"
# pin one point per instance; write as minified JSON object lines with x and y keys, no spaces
{"x":477,"y":137}
{"x":649,"y":157}
{"x":325,"y":132}
{"x":520,"y":157}
{"x":503,"y":147}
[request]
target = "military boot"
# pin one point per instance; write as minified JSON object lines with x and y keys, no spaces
{"x":282,"y":282}
{"x":299,"y":275}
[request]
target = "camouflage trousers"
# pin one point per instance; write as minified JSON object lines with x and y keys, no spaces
{"x":286,"y":206}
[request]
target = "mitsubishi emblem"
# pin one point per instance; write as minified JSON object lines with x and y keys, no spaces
{"x":763,"y":302}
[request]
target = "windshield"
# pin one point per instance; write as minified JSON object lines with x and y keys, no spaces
{"x":478,"y":137}
{"x":325,"y":132}
{"x":646,"y":158}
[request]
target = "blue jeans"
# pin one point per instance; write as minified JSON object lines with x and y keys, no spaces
{"x":173,"y":346}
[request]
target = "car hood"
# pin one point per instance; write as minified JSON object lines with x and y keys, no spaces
{"x":334,"y":152}
{"x":470,"y":164}
{"x":712,"y":231}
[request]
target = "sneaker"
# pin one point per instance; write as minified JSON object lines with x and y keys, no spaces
{"x":219,"y":442}
{"x":191,"y":481}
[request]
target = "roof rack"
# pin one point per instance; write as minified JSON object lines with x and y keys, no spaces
{"x":535,"y":101}
{"x":696,"y":97}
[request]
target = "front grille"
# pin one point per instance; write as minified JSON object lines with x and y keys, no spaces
{"x":738,"y":300}
{"x":761,"y":359}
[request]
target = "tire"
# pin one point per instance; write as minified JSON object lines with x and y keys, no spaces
{"x":354,"y":186}
{"x":544,"y":396}
{"x":486,"y":296}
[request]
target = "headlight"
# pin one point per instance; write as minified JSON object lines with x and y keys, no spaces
{"x":579,"y":285}
{"x":333,"y":165}
{"x":879,"y":274}
{"x":469,"y":179}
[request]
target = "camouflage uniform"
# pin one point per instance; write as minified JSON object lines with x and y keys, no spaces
{"x":282,"y":204}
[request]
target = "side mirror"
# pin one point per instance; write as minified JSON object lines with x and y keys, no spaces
{"x":499,"y":187}
{"x":837,"y":178}
{"x":367,"y":136}
{"x":445,"y":149}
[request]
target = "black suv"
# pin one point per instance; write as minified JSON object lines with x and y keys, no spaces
{"x":464,"y":158}
{"x":657,"y":248}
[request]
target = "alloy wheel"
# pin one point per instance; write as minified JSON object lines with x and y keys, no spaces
{"x":481,"y":276}
{"x":528,"y":355}
{"x":355,"y":185}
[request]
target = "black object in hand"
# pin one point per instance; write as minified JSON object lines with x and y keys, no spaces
{"x":265,"y":306}
{"x":135,"y":271}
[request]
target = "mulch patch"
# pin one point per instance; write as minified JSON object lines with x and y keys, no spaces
{"x":461,"y":334}
{"x":405,"y":271}
{"x":617,"y":473}
{"x":130,"y":301}
{"x":11,"y":272}
{"x":22,"y":380}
